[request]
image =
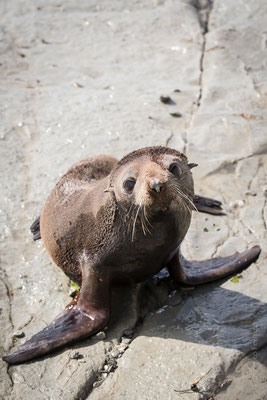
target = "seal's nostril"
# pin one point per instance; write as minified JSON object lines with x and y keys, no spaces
{"x":155,"y":185}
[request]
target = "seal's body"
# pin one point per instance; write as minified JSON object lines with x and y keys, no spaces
{"x":108,"y":221}
{"x":86,"y":217}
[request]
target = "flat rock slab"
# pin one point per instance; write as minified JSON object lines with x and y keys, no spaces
{"x":83,"y":78}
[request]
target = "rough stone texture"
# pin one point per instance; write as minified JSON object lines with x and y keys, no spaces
{"x":83,"y":78}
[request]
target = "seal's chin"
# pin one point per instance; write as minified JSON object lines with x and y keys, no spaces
{"x":158,"y":209}
{"x":164,"y":209}
{"x":175,"y":206}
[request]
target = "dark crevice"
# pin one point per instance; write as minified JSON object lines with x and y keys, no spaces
{"x":86,"y":389}
{"x":203,"y":8}
{"x":169,"y":138}
{"x":97,"y":379}
{"x":9,"y":294}
{"x":10,"y":377}
{"x":150,"y":296}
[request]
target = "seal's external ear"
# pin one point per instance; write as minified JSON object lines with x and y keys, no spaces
{"x":192,"y":165}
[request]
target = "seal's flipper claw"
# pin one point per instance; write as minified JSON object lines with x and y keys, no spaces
{"x":35,"y":229}
{"x":70,"y":326}
{"x":198,"y":272}
{"x":207,"y":205}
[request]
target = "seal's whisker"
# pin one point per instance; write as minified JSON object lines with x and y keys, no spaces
{"x":144,"y":221}
{"x":128,"y":217}
{"x":144,"y":228}
{"x":134,"y":223}
{"x":179,"y":190}
{"x":186,"y":206}
{"x":190,"y":201}
{"x":182,"y":199}
{"x":146,"y":217}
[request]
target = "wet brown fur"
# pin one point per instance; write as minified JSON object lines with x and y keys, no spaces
{"x":80,"y":216}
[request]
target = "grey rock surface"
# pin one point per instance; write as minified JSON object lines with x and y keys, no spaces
{"x":83,"y":78}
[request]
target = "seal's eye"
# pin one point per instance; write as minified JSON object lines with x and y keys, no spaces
{"x":129,"y":184}
{"x":175,"y":169}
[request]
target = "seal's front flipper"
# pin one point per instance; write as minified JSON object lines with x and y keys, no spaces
{"x":70,"y":326}
{"x":88,"y":316}
{"x":35,"y":229}
{"x":198,"y":272}
{"x":207,"y":205}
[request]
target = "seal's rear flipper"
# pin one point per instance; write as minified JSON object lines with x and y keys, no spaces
{"x":80,"y":319}
{"x":35,"y":229}
{"x":207,"y":205}
{"x":198,"y":272}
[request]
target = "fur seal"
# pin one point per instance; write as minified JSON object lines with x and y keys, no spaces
{"x":108,"y":220}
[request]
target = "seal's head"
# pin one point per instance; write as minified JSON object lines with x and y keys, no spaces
{"x":155,"y":179}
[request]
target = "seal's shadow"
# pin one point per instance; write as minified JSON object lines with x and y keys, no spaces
{"x":209,"y":315}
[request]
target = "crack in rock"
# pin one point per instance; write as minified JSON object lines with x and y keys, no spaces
{"x":8,"y":292}
{"x":169,"y":138}
{"x":149,"y":298}
{"x":6,"y":284}
{"x":203,"y":9}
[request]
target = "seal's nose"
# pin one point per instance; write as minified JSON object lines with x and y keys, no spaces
{"x":155,"y":185}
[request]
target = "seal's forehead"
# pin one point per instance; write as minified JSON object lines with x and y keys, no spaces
{"x":166,"y":158}
{"x":154,"y":153}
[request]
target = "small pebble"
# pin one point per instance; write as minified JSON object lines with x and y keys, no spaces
{"x":122,"y":347}
{"x":205,"y":230}
{"x":166,"y":100}
{"x":114,"y":353}
{"x":78,"y":85}
{"x":104,"y":375}
{"x":250,"y":193}
{"x":75,"y":355}
{"x":237,"y":203}
{"x":96,"y":384}
{"x":111,"y":367}
{"x":100,"y":335}
{"x":176,"y":115}
{"x":18,"y":335}
{"x":125,"y":340}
